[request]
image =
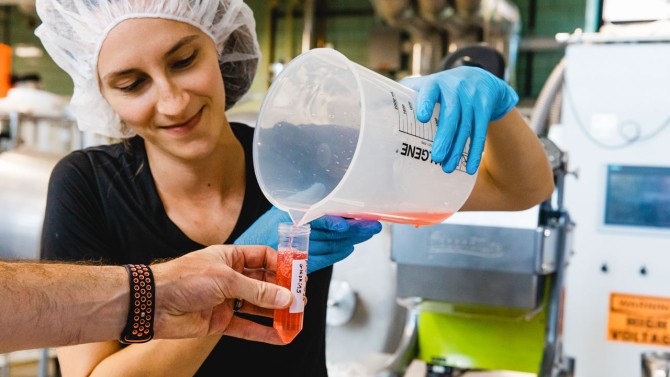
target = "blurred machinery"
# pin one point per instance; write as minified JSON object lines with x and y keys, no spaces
{"x":35,"y":132}
{"x":441,"y":27}
{"x":615,"y":126}
{"x":483,"y":291}
{"x":24,"y":175}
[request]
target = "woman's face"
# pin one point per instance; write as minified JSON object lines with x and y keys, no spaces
{"x":162,"y":77}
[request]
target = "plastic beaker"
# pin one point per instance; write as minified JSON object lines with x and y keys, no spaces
{"x":334,"y":137}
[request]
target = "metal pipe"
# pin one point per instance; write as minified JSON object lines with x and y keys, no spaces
{"x":502,"y":31}
{"x":467,"y":9}
{"x":538,"y":119}
{"x":416,"y":59}
{"x":434,"y":11}
{"x":397,"y":363}
{"x":594,"y":9}
{"x":431,"y":23}
{"x":403,"y":15}
{"x":14,"y":122}
{"x":288,"y":29}
{"x":308,"y":30}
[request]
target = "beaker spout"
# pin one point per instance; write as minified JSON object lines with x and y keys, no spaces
{"x":297,"y":216}
{"x":300,"y":218}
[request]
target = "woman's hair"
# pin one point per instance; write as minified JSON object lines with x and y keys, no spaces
{"x":72,"y":32}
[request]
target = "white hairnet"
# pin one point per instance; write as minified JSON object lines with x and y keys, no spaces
{"x":72,"y":31}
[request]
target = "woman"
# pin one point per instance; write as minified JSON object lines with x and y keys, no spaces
{"x":166,"y":71}
{"x":184,"y":182}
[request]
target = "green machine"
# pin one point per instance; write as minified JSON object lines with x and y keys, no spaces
{"x":484,"y":297}
{"x":478,"y":337}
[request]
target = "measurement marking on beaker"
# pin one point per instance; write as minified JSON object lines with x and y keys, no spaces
{"x":463,"y":162}
{"x":410,"y":126}
{"x":419,"y":137}
{"x":413,"y":118}
{"x":407,"y":122}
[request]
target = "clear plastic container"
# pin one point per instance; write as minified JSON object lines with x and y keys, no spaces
{"x":334,"y":137}
{"x":292,"y":274}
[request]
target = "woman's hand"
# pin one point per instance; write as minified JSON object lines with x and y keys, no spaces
{"x":332,"y":238}
{"x":469,"y":99}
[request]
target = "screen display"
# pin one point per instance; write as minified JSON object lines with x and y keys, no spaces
{"x":638,"y":196}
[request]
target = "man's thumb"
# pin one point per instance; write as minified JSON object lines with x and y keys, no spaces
{"x":268,"y":295}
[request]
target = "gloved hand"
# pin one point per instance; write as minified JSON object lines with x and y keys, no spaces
{"x":469,"y":98}
{"x":331,"y":238}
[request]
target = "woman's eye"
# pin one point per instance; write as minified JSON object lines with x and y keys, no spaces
{"x":132,"y":86}
{"x":185,"y":62}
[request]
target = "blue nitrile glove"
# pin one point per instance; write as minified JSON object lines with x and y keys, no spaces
{"x":470,"y":98}
{"x":331,"y":238}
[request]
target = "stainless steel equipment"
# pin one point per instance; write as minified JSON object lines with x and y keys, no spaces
{"x":655,"y":364}
{"x":439,"y":27}
{"x":25,"y":167}
{"x":24,"y":175}
{"x":494,"y":272}
{"x":475,"y":264}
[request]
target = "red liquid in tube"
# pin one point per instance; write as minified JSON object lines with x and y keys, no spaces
{"x":291,"y":274}
{"x":288,"y":324}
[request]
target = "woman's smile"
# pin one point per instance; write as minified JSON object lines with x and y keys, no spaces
{"x":179,"y":129}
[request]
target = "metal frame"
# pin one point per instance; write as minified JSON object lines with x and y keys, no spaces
{"x":15,"y":118}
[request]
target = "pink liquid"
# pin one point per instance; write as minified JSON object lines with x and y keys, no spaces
{"x":288,"y":325}
{"x":413,"y":218}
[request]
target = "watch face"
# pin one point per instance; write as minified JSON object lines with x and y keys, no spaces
{"x":554,"y":154}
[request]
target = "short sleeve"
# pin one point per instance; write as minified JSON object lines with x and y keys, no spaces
{"x":74,"y":225}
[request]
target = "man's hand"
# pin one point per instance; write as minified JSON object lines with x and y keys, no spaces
{"x":195,"y":293}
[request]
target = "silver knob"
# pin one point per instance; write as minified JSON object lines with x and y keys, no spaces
{"x":341,"y":303}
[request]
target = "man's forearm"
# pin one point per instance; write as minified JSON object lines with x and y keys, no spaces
{"x":58,"y":304}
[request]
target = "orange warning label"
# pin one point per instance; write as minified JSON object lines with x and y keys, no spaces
{"x":639,"y":319}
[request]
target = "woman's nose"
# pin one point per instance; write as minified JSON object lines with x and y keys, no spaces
{"x":172,"y":99}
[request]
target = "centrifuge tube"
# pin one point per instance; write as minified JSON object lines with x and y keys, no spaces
{"x":292,"y":274}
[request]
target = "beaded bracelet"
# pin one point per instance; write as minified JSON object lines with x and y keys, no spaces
{"x":140,"y":323}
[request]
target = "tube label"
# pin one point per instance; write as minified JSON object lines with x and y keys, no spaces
{"x":298,"y":284}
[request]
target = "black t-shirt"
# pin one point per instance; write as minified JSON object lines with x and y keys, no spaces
{"x":103,"y":206}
